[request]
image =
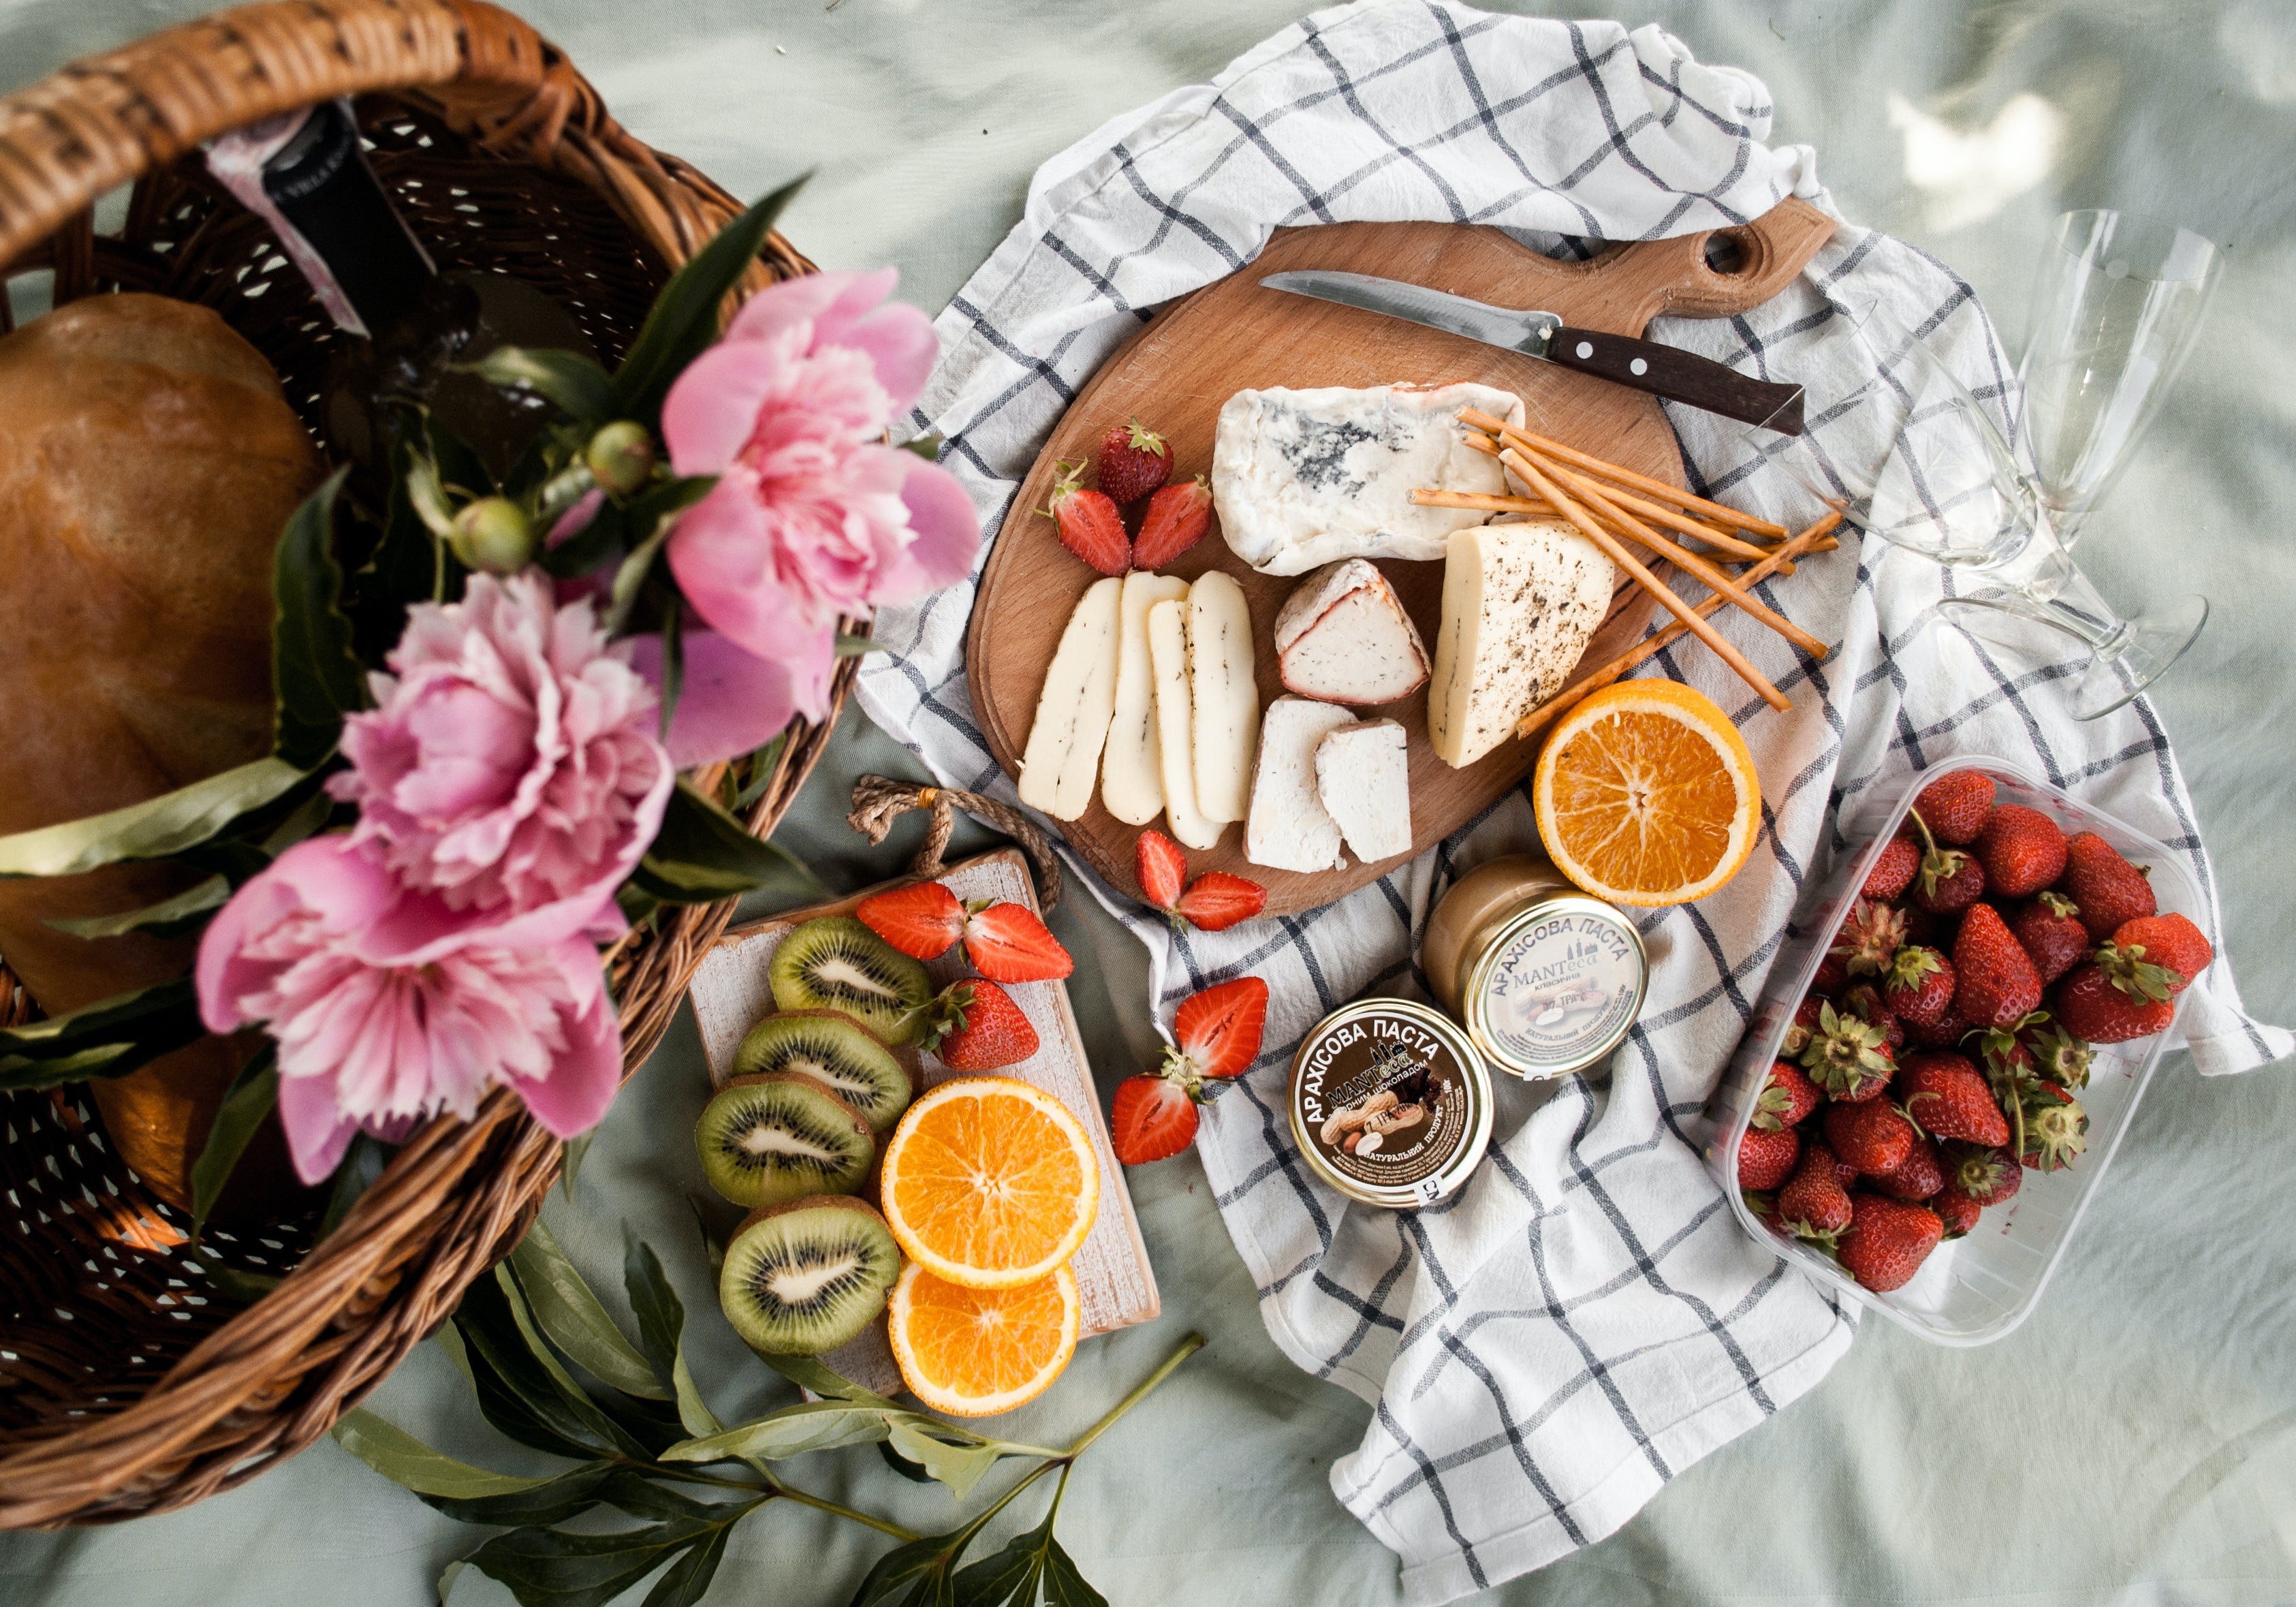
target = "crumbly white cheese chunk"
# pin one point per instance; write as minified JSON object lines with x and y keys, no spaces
{"x":1363,"y":777}
{"x":1519,"y":602}
{"x":1289,"y":828}
{"x":1342,"y":636}
{"x":1305,"y":478}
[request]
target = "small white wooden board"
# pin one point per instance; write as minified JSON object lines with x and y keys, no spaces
{"x":731,"y":995}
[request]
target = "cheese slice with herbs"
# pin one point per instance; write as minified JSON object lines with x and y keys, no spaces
{"x":1062,"y":758}
{"x":1519,"y":602}
{"x":1289,"y":829}
{"x":1305,"y":478}
{"x":1363,"y":776}
{"x":1225,"y":694}
{"x":1342,"y":636}
{"x":1131,"y":773}
{"x":1175,"y":734}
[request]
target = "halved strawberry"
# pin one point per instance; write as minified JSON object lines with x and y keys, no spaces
{"x":1161,"y":868}
{"x":1007,"y":943}
{"x":1176,"y":518}
{"x":1218,"y":901}
{"x":1219,"y":1031}
{"x":1153,"y":1119}
{"x":921,"y":921}
{"x":1090,"y":525}
{"x":974,"y":1025}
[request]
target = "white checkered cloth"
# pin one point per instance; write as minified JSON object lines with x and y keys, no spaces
{"x":1585,"y":1319}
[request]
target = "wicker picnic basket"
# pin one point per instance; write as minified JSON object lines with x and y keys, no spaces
{"x":129,"y":1381}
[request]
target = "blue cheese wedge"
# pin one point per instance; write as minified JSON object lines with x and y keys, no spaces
{"x":1305,"y":478}
{"x":1289,"y":829}
{"x":1363,"y":776}
{"x":1519,"y":602}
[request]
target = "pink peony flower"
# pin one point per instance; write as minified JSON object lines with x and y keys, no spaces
{"x":511,"y":765}
{"x":390,"y":1006}
{"x":811,"y":517}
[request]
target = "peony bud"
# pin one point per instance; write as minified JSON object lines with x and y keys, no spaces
{"x":621,"y":456}
{"x":493,"y":534}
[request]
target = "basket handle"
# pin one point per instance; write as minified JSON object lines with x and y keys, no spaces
{"x":109,"y":119}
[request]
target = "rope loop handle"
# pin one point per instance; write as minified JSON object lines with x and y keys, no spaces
{"x":879,"y":800}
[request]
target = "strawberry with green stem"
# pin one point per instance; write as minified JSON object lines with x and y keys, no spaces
{"x":1947,"y":1097}
{"x":2056,"y":1056}
{"x":2109,"y":890}
{"x":1814,"y":1205}
{"x":1995,"y":983}
{"x":1786,"y":1099}
{"x":1217,"y":1036}
{"x":1134,"y":461}
{"x":1848,"y":1057}
{"x":1918,"y":986}
{"x":2021,"y":850}
{"x":1869,"y":938}
{"x":2051,"y":1126}
{"x":1005,"y":942}
{"x":1176,"y":518}
{"x":1888,"y":1240}
{"x":974,"y":1025}
{"x":1989,"y":1175}
{"x":2171,"y":942}
{"x":2049,"y":930}
{"x":1090,"y":525}
{"x":1949,"y":880}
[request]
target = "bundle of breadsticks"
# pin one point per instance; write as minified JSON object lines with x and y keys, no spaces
{"x":1613,"y":506}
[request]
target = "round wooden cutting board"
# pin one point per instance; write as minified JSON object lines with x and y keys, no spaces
{"x":1234,"y":335}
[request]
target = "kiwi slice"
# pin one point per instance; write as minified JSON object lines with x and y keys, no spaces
{"x":835,"y":1051}
{"x":837,"y":963}
{"x":804,"y":1277}
{"x":766,"y":1139}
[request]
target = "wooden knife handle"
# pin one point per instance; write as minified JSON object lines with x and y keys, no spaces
{"x":1678,"y":376}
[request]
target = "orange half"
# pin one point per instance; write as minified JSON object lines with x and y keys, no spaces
{"x":971,"y":1352}
{"x":989,"y":1182}
{"x":1647,"y":794}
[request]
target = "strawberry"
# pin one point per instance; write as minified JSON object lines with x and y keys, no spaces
{"x":1927,"y":927}
{"x":1804,"y":1023}
{"x":1133,"y":463}
{"x":1154,"y":1119}
{"x":2093,"y":1005}
{"x":922,"y":921}
{"x":1893,"y":872}
{"x":1947,"y":1030}
{"x":1917,"y":1176}
{"x":1844,"y":1174}
{"x":1766,"y":1160}
{"x":1947,"y":1097}
{"x":1955,"y":1210}
{"x":1918,"y":986}
{"x":1954,"y":808}
{"x":1090,"y":526}
{"x":1874,"y":1136}
{"x":2171,"y":942}
{"x":1990,"y":1176}
{"x":1887,"y":1240}
{"x":2021,"y":850}
{"x":1848,"y":1057}
{"x":1832,"y":975}
{"x":1217,"y":1031}
{"x":1161,"y":868}
{"x":1869,"y":938}
{"x":974,"y":1025}
{"x":1176,"y":518}
{"x":2051,"y":1126}
{"x":1217,"y":901}
{"x":1786,"y":1099}
{"x":1996,"y":982}
{"x":2057,"y":1057}
{"x":2109,"y":890}
{"x":1010,"y":943}
{"x":1815,"y":1203}
{"x":2046,"y":929}
{"x":1950,"y":882}
{"x":1864,"y":1002}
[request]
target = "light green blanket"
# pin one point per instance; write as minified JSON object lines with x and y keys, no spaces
{"x":2136,"y":1439}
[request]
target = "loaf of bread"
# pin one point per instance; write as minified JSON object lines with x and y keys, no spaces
{"x":148,"y":461}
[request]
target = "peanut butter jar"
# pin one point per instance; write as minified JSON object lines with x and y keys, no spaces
{"x":1390,"y":1103}
{"x":1546,"y":979}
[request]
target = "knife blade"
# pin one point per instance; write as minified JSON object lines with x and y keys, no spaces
{"x":1645,"y":366}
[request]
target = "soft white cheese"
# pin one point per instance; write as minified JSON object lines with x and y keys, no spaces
{"x":1342,"y":636}
{"x":1289,"y":829}
{"x":1062,"y":758}
{"x":1131,"y":776}
{"x":1519,"y":602}
{"x":1225,"y":694}
{"x":1175,"y":734}
{"x":1363,"y":778}
{"x":1306,"y":477}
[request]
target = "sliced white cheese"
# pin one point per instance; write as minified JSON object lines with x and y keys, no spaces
{"x":1225,"y":694}
{"x":1519,"y":602}
{"x":1062,"y":758}
{"x":1305,"y":478}
{"x":1342,"y":636}
{"x":1363,"y":778}
{"x":1131,"y":775}
{"x":1175,"y":734}
{"x":1290,"y":829}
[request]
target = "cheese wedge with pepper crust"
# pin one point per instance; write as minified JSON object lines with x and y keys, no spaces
{"x":1176,"y":732}
{"x":1520,"y":601}
{"x":1062,"y":758}
{"x":1131,"y":775}
{"x":1225,"y":694}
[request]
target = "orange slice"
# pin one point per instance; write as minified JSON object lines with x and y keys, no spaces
{"x":1647,"y":794}
{"x":989,"y":1182}
{"x":971,"y":1352}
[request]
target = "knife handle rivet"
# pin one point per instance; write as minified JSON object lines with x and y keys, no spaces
{"x":1585,"y":348}
{"x":1637,"y":366}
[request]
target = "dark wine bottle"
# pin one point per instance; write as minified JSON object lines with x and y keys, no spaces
{"x":408,"y":329}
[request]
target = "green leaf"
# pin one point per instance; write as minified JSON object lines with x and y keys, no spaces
{"x":577,"y":1150}
{"x":684,"y":319}
{"x":1064,"y":1586}
{"x":901,"y":1464}
{"x":673,"y":660}
{"x":551,"y":1500}
{"x":921,"y":1573}
{"x":575,"y":384}
{"x":926,"y":446}
{"x":813,"y":1426}
{"x":404,"y":569}
{"x":168,"y":918}
{"x":630,"y":579}
{"x":853,"y":647}
{"x":661,"y":1316}
{"x":687,"y":1580}
{"x":702,"y":854}
{"x":602,"y":1423}
{"x":549,"y":1568}
{"x":1011,"y":1576}
{"x":245,"y":1104}
{"x":362,"y":1167}
{"x":811,"y":1372}
{"x":314,"y":675}
{"x":403,"y":1460}
{"x":154,"y":829}
{"x":959,"y":1467}
{"x":607,"y":534}
{"x":712,"y":1246}
{"x":636,"y":1492}
{"x":762,"y":764}
{"x":108,"y":1038}
{"x":513,"y":1391}
{"x":566,"y":1308}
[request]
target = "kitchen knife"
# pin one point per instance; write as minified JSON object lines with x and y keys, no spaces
{"x":1663,"y":371}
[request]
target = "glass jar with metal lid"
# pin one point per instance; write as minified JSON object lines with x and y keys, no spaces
{"x":1546,"y":979}
{"x":1390,"y":1103}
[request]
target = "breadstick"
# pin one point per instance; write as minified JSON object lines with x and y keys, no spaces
{"x":1704,"y":530}
{"x":1433,"y":498}
{"x":1625,"y":477}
